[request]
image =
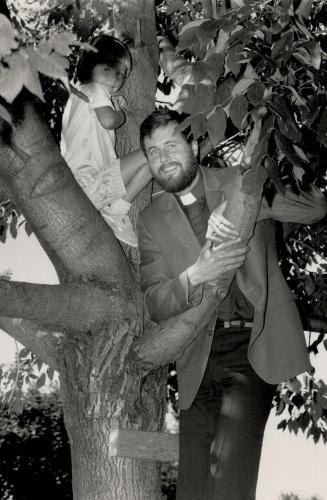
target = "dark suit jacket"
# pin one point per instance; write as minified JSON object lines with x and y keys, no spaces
{"x":168,"y":246}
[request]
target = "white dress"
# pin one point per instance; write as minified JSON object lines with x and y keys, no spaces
{"x":89,"y":148}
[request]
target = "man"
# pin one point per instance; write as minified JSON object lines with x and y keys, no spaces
{"x":224,"y":403}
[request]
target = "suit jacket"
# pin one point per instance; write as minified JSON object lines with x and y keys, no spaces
{"x":168,"y":246}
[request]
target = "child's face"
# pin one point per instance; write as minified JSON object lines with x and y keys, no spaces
{"x":112,"y":77}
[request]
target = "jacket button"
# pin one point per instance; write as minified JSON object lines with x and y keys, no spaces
{"x":210,"y":333}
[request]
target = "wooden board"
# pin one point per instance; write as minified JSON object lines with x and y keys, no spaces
{"x":160,"y":446}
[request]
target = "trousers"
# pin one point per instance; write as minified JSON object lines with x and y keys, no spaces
{"x":221,"y":434}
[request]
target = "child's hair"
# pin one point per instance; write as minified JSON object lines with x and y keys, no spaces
{"x":110,"y":51}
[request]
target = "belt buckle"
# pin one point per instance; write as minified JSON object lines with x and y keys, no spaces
{"x":233,"y":323}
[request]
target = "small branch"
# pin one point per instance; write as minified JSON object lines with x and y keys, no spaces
{"x":77,"y":307}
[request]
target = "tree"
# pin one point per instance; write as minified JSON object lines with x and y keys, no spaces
{"x":92,"y":327}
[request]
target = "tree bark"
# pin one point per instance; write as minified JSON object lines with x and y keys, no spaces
{"x":59,"y":306}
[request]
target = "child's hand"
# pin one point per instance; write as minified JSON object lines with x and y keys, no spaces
{"x":119,"y":102}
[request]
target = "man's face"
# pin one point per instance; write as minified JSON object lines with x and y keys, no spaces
{"x":171,"y":158}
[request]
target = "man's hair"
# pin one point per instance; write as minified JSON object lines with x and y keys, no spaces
{"x":160,"y":118}
{"x":110,"y":51}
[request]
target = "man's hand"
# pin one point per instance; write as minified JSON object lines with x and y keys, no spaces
{"x":215,"y":261}
{"x":219,"y":228}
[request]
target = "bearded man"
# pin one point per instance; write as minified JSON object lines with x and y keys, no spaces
{"x":224,"y":399}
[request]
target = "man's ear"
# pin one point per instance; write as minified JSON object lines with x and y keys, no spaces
{"x":195,"y":148}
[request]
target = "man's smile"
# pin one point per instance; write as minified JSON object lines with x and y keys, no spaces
{"x":170,"y":167}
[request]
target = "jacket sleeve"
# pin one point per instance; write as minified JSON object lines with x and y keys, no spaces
{"x":307,"y":207}
{"x":166,"y":295}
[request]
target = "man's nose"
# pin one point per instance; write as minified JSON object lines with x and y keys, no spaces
{"x":164,"y":154}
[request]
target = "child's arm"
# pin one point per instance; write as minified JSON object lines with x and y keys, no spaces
{"x":110,"y":118}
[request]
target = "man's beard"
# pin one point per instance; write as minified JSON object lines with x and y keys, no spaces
{"x":176,"y":183}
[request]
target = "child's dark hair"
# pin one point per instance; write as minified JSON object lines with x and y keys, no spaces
{"x":110,"y":51}
{"x":160,"y":118}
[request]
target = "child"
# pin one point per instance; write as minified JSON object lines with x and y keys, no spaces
{"x":88,"y":136}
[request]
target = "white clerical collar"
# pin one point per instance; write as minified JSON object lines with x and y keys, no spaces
{"x":187,"y":199}
{"x":194,"y":192}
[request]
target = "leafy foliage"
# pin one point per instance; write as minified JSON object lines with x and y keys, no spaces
{"x":306,"y":404}
{"x":252,"y":77}
{"x":34,"y":451}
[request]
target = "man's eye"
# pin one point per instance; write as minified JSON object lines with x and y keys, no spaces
{"x":152,"y":153}
{"x":170,"y":146}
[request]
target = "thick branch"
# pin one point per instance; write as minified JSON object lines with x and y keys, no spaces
{"x":78,"y":307}
{"x":42,"y":343}
{"x":71,"y":231}
{"x":166,"y":342}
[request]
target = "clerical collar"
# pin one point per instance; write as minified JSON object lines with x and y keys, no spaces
{"x":195,"y":193}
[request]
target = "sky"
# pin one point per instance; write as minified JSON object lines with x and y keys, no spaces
{"x":289,"y":464}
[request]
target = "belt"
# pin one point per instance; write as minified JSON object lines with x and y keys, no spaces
{"x":233,"y":323}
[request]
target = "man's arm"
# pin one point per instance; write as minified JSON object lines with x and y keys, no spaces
{"x":168,"y":296}
{"x":307,"y":207}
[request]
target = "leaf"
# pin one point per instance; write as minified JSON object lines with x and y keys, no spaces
{"x":215,"y":66}
{"x":198,"y":125}
{"x":187,"y":40}
{"x":274,"y":175}
{"x":193,"y":24}
{"x":280,"y":408}
{"x":199,"y":72}
{"x":41,"y":381}
{"x":282,"y":45}
{"x":62,"y":41}
{"x":23,"y":353}
{"x":204,"y":98}
{"x":286,"y":147}
{"x":242,"y":85}
{"x":233,"y":59}
{"x":50,"y":373}
{"x":52,"y":65}
{"x":32,"y":81}
{"x":255,"y":93}
{"x":304,"y":9}
{"x":175,"y":6}
{"x":252,"y":142}
{"x":192,"y":100}
{"x":238,"y":110}
{"x":224,"y":91}
{"x":223,"y":37}
{"x":8,"y":36}
{"x":294,"y":385}
{"x":216,"y":125}
{"x":309,"y":286}
{"x":12,"y":78}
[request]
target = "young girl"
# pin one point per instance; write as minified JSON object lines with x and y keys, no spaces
{"x":88,"y":136}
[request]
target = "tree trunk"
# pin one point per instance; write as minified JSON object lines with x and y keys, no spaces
{"x":100,"y":394}
{"x":100,"y":389}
